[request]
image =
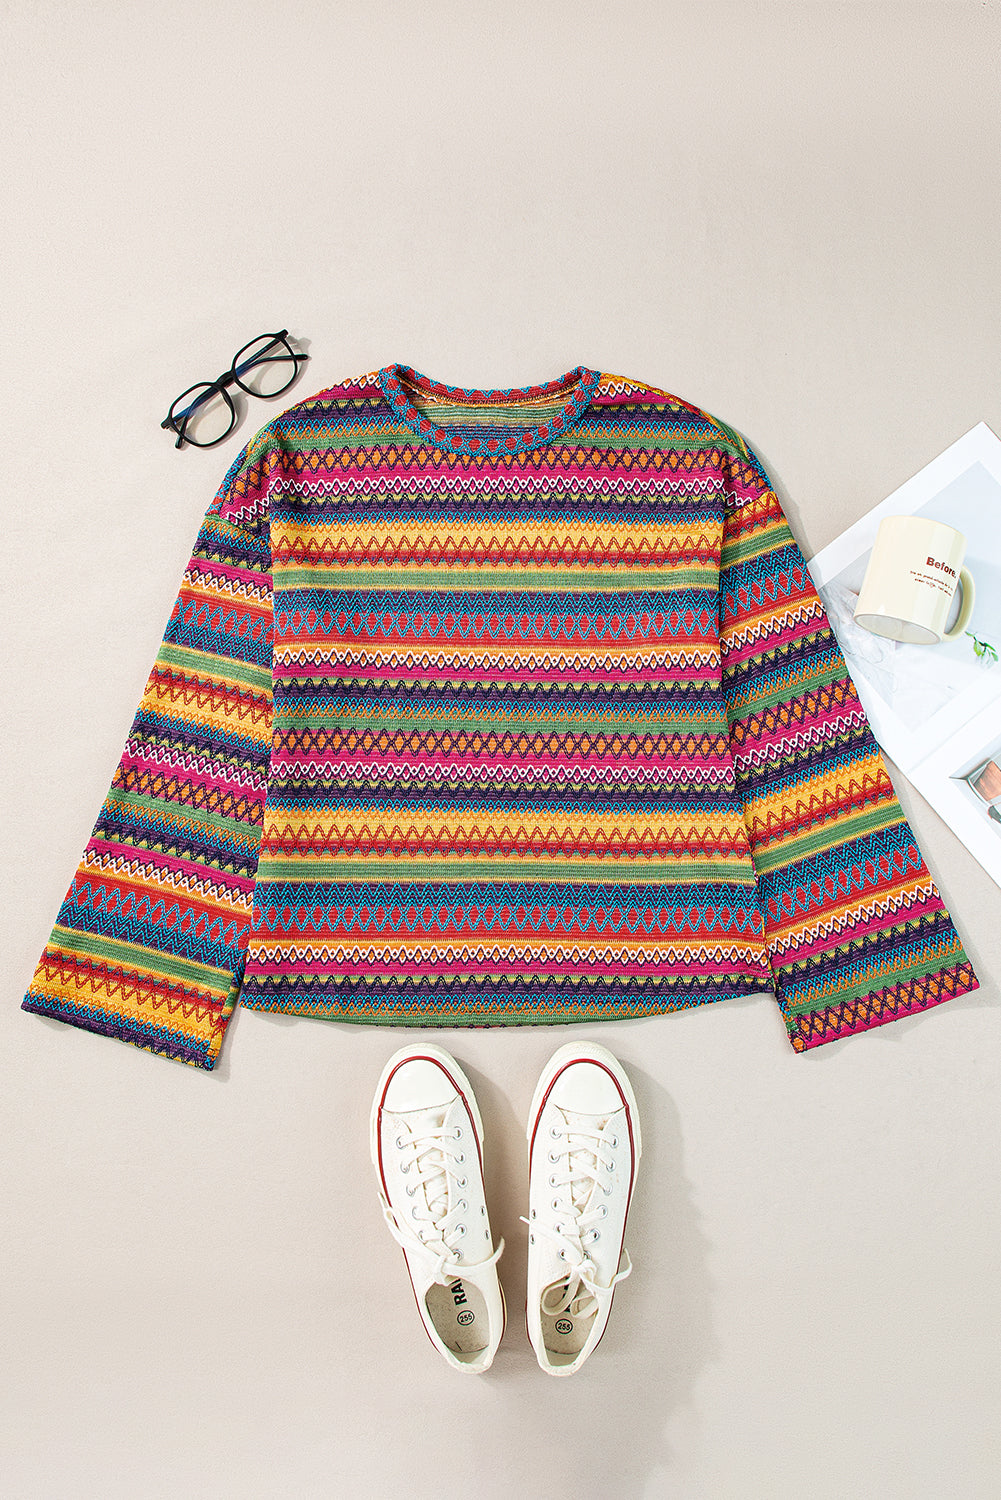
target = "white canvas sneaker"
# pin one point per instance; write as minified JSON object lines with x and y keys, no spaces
{"x":584,"y":1147}
{"x":426,"y":1139}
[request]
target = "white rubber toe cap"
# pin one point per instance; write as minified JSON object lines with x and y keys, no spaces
{"x":418,"y":1083}
{"x":586,"y":1088}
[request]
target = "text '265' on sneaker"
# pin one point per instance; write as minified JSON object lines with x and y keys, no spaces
{"x":584,"y":1147}
{"x":427,"y":1147}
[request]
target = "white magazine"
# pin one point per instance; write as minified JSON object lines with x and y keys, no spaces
{"x":936,"y":710}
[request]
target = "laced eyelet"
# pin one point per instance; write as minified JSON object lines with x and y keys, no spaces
{"x":410,"y":1191}
{"x":531,"y":1239}
{"x":556,"y":1203}
{"x":532,"y":1214}
{"x":413,"y":1213}
{"x":461,"y":1156}
{"x":553,"y":1156}
{"x":604,"y":1210}
{"x":554,"y":1132}
{"x":563,"y":1255}
{"x":595,"y":1235}
{"x":614,"y":1142}
{"x":405,"y":1167}
{"x":552,"y":1180}
{"x":461,"y":1181}
{"x":465,"y":1205}
{"x":458,"y":1132}
{"x":461,"y":1229}
{"x":400,"y":1143}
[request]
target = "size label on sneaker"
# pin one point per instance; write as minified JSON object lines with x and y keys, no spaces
{"x":564,"y":1325}
{"x":466,"y":1317}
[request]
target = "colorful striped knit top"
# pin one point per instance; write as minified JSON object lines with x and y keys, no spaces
{"x":485,"y":707}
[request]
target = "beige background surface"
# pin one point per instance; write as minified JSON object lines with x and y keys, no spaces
{"x":788,"y":214}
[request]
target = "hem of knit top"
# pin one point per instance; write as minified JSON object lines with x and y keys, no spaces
{"x":578,"y":385}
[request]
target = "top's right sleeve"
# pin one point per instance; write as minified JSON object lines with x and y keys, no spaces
{"x":857,"y":932}
{"x":149,"y":944}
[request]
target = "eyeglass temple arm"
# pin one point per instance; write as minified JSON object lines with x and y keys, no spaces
{"x":206,"y":395}
{"x":176,"y":424}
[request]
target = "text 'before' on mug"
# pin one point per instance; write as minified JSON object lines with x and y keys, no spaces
{"x":914,"y":571}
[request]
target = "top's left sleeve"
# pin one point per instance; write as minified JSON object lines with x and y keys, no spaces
{"x":149,"y":945}
{"x":856,"y":930}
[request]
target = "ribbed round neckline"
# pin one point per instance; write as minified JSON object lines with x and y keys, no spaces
{"x":578,"y":384}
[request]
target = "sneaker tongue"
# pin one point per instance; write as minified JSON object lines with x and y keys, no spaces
{"x":435,"y":1182}
{"x":582,"y":1153}
{"x":427,"y":1119}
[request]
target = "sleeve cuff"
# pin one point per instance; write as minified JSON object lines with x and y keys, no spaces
{"x":149,"y":1013}
{"x":812,"y":1028}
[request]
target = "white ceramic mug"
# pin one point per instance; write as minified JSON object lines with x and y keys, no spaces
{"x":914,"y":570}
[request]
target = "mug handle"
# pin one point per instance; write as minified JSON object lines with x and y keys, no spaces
{"x":966,"y":609}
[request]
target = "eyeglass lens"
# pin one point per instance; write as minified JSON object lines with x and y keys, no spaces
{"x":204,"y":413}
{"x":265,"y":367}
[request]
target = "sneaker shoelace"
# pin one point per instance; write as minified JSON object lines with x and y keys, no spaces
{"x":578,"y":1146}
{"x":434,"y":1165}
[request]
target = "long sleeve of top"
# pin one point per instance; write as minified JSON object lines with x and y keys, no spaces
{"x":857,"y":933}
{"x":487,"y":708}
{"x":149,"y":944}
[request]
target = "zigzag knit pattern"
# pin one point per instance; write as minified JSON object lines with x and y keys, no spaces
{"x":496,"y":707}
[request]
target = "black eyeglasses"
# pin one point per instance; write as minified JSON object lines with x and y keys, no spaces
{"x":204,"y":414}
